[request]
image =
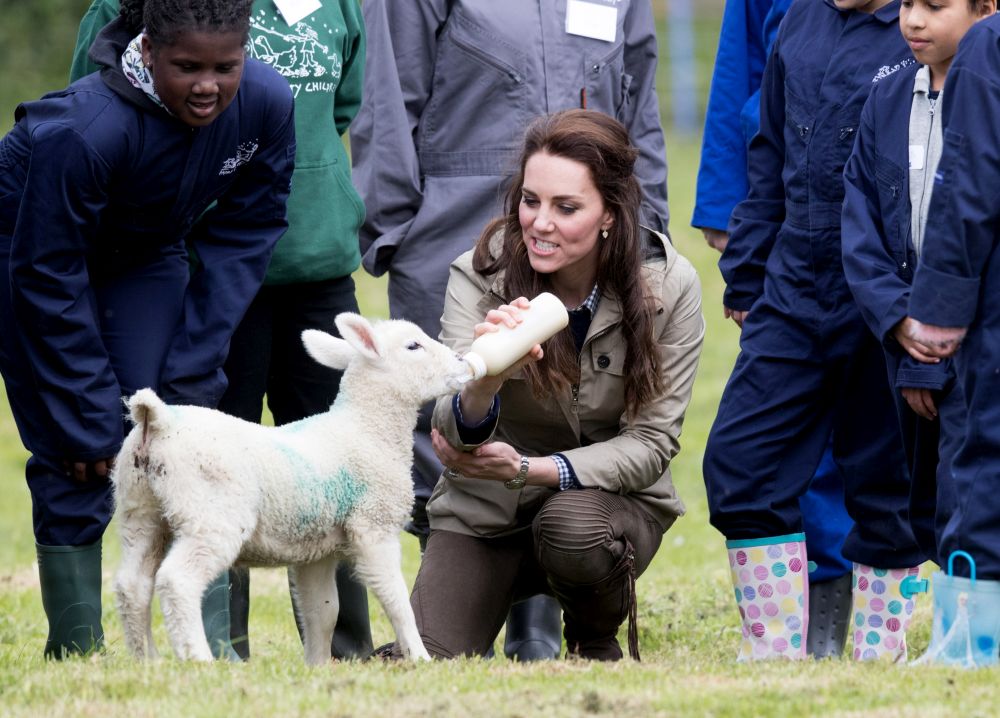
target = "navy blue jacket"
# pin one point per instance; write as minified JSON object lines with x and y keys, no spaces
{"x":745,"y":38}
{"x":96,"y":178}
{"x":876,"y":239}
{"x":963,"y":224}
{"x":821,"y":69}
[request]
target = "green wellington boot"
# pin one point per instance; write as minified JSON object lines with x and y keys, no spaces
{"x":215,"y":617}
{"x":70,"y":579}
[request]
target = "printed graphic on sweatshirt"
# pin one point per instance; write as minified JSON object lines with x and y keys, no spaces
{"x":304,"y":54}
{"x":243,"y":154}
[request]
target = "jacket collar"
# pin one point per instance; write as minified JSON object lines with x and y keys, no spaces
{"x":887,"y":14}
{"x":106,"y":52}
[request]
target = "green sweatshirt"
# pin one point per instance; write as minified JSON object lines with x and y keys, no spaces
{"x":322,"y":57}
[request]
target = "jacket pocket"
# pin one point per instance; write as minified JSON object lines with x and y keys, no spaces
{"x":892,"y":189}
{"x":607,"y":84}
{"x":474,"y":69}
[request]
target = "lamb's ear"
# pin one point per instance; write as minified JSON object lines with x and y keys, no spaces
{"x":327,"y":349}
{"x":359,"y":334}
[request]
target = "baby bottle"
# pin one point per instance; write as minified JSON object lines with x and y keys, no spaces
{"x":494,"y":352}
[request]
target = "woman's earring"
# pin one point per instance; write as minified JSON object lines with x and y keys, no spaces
{"x":604,"y":233}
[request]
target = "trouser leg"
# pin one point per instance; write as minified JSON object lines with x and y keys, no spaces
{"x":465,"y":587}
{"x":593,"y":545}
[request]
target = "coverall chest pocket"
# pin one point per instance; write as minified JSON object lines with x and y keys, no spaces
{"x":474,"y":69}
{"x":839,"y":143}
{"x":608,"y":84}
{"x":798,"y":119}
{"x":889,"y":179}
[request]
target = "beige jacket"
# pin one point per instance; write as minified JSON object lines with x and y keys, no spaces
{"x":606,"y":451}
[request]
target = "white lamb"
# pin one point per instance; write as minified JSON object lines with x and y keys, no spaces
{"x":198,"y":490}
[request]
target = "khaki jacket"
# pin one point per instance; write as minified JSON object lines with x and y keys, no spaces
{"x":606,"y":451}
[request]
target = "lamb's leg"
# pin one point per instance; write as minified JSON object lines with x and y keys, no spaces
{"x":315,"y":588}
{"x":185,"y":573}
{"x":143,"y":536}
{"x":379,"y":566}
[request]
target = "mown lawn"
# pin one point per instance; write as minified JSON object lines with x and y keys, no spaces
{"x":688,"y":624}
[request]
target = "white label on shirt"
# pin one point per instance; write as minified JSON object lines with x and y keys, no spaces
{"x":588,"y":19}
{"x":295,"y":10}
{"x":917,"y":153}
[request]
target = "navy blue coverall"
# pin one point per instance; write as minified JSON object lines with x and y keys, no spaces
{"x":808,"y":363}
{"x":731,"y":121}
{"x":99,"y":190}
{"x":958,"y":281}
{"x":879,"y":261}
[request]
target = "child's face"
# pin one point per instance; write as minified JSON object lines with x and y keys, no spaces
{"x":933,"y":28}
{"x":860,"y":5}
{"x":197,"y":76}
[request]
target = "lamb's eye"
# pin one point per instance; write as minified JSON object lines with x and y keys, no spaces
{"x":413,"y":346}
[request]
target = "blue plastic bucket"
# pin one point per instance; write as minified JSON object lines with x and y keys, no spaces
{"x":980,"y":639}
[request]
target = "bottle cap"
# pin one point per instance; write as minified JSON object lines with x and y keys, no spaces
{"x":477,"y":365}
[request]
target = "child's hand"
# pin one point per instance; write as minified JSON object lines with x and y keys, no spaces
{"x":934,"y":342}
{"x":921,"y":401}
{"x":717,"y":239}
{"x":903,"y":334}
{"x":736,"y":315}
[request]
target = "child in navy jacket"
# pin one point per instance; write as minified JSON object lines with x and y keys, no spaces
{"x":887,"y":191}
{"x":954,"y":293}
{"x":808,"y":363}
{"x":178,"y":142}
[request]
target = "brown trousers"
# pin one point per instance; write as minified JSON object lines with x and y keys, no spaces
{"x":585,"y":547}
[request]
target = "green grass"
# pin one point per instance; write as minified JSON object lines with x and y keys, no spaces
{"x":688,"y":624}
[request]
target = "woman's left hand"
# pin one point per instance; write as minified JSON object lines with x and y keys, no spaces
{"x":495,"y":461}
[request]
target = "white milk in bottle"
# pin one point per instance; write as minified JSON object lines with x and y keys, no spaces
{"x":494,"y":352}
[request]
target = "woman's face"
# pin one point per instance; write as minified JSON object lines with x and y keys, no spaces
{"x":197,"y":76}
{"x":562,"y":215}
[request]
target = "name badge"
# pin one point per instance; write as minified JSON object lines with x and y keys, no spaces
{"x":917,"y":153}
{"x":294,"y":10}
{"x":593,"y":20}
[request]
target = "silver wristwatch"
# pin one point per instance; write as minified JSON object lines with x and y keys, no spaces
{"x":520,"y":478}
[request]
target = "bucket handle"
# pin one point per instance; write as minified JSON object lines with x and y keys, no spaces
{"x":967,"y":557}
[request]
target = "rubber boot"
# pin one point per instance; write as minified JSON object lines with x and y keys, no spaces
{"x":70,"y":578}
{"x":534,"y":630}
{"x":966,"y":628}
{"x":829,"y":617}
{"x":352,"y":636}
{"x":215,"y":618}
{"x":593,"y":613}
{"x":239,"y":611}
{"x":772,"y":593}
{"x":883,"y":602}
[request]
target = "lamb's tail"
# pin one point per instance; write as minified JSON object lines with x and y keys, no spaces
{"x":148,"y":412}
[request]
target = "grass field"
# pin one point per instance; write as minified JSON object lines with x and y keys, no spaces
{"x":688,"y":623}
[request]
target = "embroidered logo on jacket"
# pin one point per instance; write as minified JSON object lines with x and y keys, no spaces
{"x":886,"y":70}
{"x":243,"y":154}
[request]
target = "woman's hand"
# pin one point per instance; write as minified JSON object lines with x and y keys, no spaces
{"x":477,"y":396}
{"x":495,"y":461}
{"x":90,"y":471}
{"x":903,"y":333}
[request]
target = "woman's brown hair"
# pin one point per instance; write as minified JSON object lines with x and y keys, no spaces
{"x":602,"y":144}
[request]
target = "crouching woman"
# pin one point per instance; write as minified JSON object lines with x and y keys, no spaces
{"x":558,"y":477}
